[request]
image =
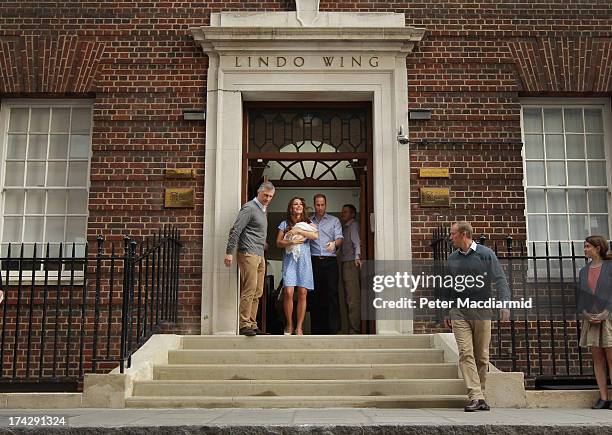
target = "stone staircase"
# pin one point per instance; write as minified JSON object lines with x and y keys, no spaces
{"x":302,"y":372}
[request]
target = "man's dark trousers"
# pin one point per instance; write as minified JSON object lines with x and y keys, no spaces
{"x":323,"y":301}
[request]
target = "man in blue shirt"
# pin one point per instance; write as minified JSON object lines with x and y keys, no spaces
{"x":323,"y":301}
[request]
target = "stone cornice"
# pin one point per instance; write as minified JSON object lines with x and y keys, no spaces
{"x":323,"y":19}
{"x":365,"y":34}
{"x":400,"y":39}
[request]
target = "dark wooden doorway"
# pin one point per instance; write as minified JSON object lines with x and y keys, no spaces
{"x":322,"y":145}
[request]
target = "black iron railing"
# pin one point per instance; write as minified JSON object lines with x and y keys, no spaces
{"x":541,"y":341}
{"x":67,"y":313}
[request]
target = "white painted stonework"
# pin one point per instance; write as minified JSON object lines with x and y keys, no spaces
{"x":273,"y":57}
{"x":307,"y":11}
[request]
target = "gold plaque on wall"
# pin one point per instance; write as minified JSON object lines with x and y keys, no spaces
{"x":434,"y":173}
{"x":180,"y":173}
{"x":435,"y":197}
{"x":179,"y":198}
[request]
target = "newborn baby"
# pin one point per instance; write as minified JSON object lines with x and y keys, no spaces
{"x":295,"y":250}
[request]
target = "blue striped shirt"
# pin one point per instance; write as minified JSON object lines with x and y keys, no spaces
{"x":330,"y":229}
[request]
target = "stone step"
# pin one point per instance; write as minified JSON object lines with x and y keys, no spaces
{"x":403,"y":401}
{"x":353,"y":387}
{"x":307,"y":341}
{"x":305,"y":371}
{"x":310,"y":356}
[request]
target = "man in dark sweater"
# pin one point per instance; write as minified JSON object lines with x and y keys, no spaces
{"x":248,"y":235}
{"x":474,"y":267}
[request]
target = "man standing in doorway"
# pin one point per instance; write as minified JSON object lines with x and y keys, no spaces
{"x":248,"y":235}
{"x":472,"y":326}
{"x":350,"y":258}
{"x":324,"y":303}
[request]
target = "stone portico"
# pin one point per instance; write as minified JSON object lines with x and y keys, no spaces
{"x":302,"y":56}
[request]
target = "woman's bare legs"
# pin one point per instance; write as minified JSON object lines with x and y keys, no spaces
{"x":599,"y":367}
{"x":288,"y":307}
{"x":608,"y":351}
{"x":301,"y":310}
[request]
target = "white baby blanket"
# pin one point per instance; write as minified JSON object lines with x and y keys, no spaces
{"x":295,"y":250}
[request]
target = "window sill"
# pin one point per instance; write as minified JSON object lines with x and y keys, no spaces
{"x":39,"y":279}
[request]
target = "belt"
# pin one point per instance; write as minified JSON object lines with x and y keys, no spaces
{"x":323,"y":257}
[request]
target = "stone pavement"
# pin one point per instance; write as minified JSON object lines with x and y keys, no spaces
{"x":323,"y":421}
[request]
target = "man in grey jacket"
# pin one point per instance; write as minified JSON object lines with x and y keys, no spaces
{"x":248,"y":235}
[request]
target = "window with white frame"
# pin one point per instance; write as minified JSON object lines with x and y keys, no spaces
{"x":566,"y":175}
{"x":45,"y":177}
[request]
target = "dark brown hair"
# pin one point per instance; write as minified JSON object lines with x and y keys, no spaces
{"x":304,"y":217}
{"x":602,"y":246}
{"x":319,"y":195}
{"x":352,"y":208}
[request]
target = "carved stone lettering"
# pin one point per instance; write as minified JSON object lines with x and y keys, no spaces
{"x":288,"y":62}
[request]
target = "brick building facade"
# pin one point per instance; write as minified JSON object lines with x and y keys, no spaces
{"x":137,"y":68}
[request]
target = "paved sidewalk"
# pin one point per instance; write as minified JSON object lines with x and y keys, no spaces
{"x":339,"y":420}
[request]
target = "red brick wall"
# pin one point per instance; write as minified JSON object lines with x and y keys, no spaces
{"x":138,"y":63}
{"x":471,"y":70}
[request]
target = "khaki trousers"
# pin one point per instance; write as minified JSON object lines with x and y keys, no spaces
{"x":352,"y":295}
{"x":252,"y":269}
{"x":473,"y":338}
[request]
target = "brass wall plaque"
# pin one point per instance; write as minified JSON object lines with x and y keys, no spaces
{"x":434,"y":173}
{"x":435,"y":197}
{"x":180,"y":173}
{"x":179,"y":198}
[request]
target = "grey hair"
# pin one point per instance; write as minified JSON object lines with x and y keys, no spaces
{"x":266,"y":185}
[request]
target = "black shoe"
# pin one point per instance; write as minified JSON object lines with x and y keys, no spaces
{"x":601,"y":404}
{"x":258,"y":331}
{"x":247,"y":332}
{"x":477,"y":405}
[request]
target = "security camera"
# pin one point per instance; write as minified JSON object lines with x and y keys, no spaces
{"x":401,"y":137}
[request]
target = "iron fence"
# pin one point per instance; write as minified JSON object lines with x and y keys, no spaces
{"x":67,"y":312}
{"x":541,"y":341}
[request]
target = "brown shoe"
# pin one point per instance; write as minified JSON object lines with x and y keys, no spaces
{"x":477,"y":405}
{"x":260,"y":332}
{"x":247,"y":332}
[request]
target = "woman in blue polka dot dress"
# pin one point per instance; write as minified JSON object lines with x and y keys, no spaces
{"x":294,"y":235}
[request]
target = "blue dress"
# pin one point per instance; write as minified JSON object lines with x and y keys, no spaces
{"x":297,"y":273}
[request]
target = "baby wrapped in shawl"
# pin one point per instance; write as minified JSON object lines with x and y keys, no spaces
{"x":295,"y":250}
